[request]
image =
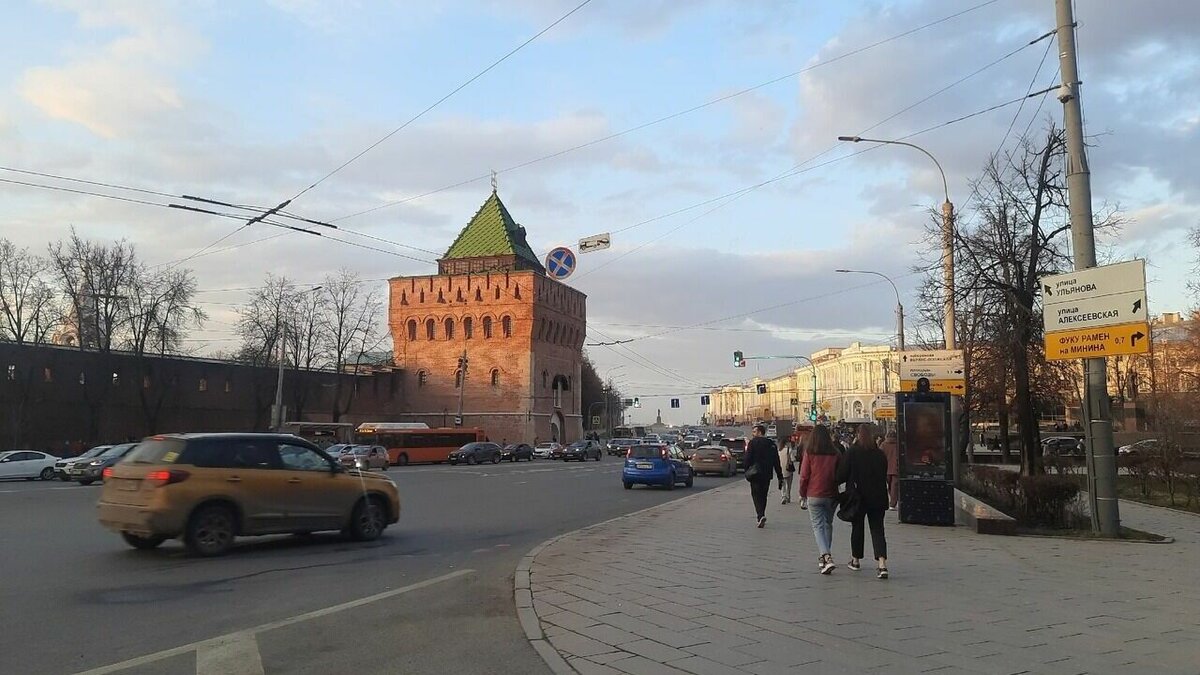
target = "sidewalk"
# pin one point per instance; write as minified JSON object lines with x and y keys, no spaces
{"x":694,"y":587}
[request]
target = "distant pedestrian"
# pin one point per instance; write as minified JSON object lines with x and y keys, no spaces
{"x":762,"y":459}
{"x":818,"y":486}
{"x":864,"y":471}
{"x":787,"y":457}
{"x":891,"y":450}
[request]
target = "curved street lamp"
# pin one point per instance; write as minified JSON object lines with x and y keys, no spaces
{"x":899,"y":306}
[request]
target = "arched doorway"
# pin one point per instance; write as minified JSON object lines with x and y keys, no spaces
{"x":557,"y":425}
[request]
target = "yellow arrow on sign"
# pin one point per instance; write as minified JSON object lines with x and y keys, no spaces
{"x":1084,"y":343}
{"x":943,"y":386}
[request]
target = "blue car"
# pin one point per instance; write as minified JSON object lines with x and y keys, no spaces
{"x":656,"y":465}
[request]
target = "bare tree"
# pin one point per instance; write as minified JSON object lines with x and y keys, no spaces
{"x":304,"y":339}
{"x":95,"y":280}
{"x":350,"y":330}
{"x":29,"y":308}
{"x":160,"y":309}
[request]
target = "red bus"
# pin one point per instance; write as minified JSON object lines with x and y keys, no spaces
{"x":415,"y":443}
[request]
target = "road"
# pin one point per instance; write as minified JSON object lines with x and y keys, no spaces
{"x":74,"y":598}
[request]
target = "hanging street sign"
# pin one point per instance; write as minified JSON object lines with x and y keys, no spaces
{"x":595,"y":421}
{"x":1086,"y":343}
{"x":934,"y":364}
{"x":560,"y":263}
{"x":596,"y":242}
{"x":1095,"y":312}
{"x":956,"y":387}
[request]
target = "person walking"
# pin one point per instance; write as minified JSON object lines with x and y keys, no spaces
{"x":787,"y":457}
{"x":891,"y":450}
{"x":762,"y":459}
{"x":818,"y":487}
{"x":864,"y":471}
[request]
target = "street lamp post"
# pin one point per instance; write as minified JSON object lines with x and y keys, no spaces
{"x":947,"y":282}
{"x":899,"y":306}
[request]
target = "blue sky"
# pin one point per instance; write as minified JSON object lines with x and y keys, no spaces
{"x":251,"y":101}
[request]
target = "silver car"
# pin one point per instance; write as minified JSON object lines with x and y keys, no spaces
{"x":364,"y":457}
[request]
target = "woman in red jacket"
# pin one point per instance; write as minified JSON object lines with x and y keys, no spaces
{"x":818,"y":485}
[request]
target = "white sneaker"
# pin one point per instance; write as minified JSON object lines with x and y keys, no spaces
{"x":804,"y":504}
{"x":784,"y":499}
{"x":827,"y":567}
{"x":762,"y":522}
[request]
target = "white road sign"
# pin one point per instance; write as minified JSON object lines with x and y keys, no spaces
{"x":937,"y":364}
{"x":596,"y":242}
{"x":884,"y":401}
{"x":1094,"y":312}
{"x":1094,"y":282}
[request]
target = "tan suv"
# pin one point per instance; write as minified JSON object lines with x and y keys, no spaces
{"x":210,"y":488}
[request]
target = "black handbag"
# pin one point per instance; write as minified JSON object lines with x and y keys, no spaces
{"x":752,"y":472}
{"x":849,"y":504}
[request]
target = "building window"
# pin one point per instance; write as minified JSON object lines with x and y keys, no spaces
{"x":497,"y":292}
{"x":449,"y":329}
{"x":468,"y":328}
{"x":404,"y":297}
{"x":459,"y":296}
{"x":506,"y":326}
{"x":82,"y":377}
{"x":422,"y":378}
{"x":203,"y":384}
{"x":441,"y":297}
{"x":412,"y":330}
{"x":228,"y":386}
{"x":487,"y":326}
{"x":495,"y":377}
{"x":12,"y":371}
{"x":517,"y":292}
{"x":478,"y":295}
{"x":458,"y":378}
{"x":429,"y":329}
{"x":422,"y":296}
{"x":545,"y":379}
{"x":542,"y":329}
{"x":47,"y":376}
{"x":116,"y":379}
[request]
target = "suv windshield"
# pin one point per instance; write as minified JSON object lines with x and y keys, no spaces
{"x":156,"y":451}
{"x":645,"y":452}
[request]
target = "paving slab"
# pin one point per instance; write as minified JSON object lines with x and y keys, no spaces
{"x":688,"y":588}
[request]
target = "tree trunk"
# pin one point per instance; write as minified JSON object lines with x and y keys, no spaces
{"x":1005,"y":443}
{"x":1031,"y":459}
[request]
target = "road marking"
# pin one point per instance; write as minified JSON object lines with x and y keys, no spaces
{"x":73,"y":487}
{"x":237,"y":655}
{"x":221,"y":640}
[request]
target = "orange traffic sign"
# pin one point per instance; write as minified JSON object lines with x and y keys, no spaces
{"x":957,"y":387}
{"x":885,"y":413}
{"x":1086,"y":343}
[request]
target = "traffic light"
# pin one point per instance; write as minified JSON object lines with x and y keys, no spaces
{"x":704,"y":399}
{"x":674,"y":403}
{"x":637,"y":403}
{"x":761,"y":388}
{"x":739,"y":361}
{"x":812,"y":412}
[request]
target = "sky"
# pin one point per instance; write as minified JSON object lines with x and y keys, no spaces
{"x":709,"y":148}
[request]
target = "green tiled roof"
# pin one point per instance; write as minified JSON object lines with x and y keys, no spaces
{"x":492,"y":232}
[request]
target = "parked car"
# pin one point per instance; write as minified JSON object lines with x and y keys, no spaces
{"x":474,"y":453}
{"x":1148,"y":446}
{"x":656,"y":464}
{"x":516,"y":452}
{"x":209,"y":489}
{"x":62,"y":466}
{"x":1062,"y":446}
{"x":620,"y":446}
{"x":713,"y":459}
{"x":582,"y":451}
{"x":88,"y":472}
{"x":364,"y":457}
{"x":27,"y":464}
{"x":546,"y":450}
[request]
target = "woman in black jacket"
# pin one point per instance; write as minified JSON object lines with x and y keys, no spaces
{"x":864,"y":471}
{"x":762,"y":458}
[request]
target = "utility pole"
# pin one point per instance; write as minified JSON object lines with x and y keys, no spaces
{"x":462,"y":387}
{"x":277,"y":423}
{"x":1102,"y":490}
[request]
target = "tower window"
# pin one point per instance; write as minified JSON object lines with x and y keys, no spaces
{"x":449,"y":329}
{"x":412,"y":330}
{"x":468,"y":328}
{"x":203,"y":384}
{"x":487,"y":327}
{"x":506,"y":326}
{"x":478,"y":295}
{"x":495,"y":377}
{"x":458,"y":378}
{"x":497,"y":292}
{"x":429,"y":329}
{"x":422,"y":378}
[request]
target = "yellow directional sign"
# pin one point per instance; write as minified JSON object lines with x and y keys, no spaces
{"x":885,"y":413}
{"x":958,"y":387}
{"x":1085,"y":343}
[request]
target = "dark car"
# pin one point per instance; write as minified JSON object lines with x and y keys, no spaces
{"x":87,"y":473}
{"x":474,"y":453}
{"x":62,"y":467}
{"x":621,"y":446}
{"x":736,"y":447}
{"x":656,"y":465}
{"x":582,"y":451}
{"x":1062,"y":446}
{"x":516,"y":452}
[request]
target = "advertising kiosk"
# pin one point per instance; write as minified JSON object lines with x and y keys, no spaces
{"x":926,"y":490}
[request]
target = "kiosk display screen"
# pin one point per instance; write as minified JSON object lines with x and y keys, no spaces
{"x":925,"y":436}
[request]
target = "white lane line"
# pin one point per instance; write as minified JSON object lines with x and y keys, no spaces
{"x":236,"y":655}
{"x":217,"y":641}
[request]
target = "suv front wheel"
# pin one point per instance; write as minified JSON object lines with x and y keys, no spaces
{"x":368,"y":520}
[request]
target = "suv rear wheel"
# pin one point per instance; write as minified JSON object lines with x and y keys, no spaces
{"x":210,"y":530}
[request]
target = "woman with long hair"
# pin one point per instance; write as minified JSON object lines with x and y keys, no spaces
{"x":864,"y":471}
{"x":818,"y":486}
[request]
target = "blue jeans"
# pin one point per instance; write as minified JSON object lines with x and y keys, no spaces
{"x":820,"y":509}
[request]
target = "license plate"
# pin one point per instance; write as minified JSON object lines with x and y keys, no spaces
{"x":128,"y":485}
{"x":645,"y":465}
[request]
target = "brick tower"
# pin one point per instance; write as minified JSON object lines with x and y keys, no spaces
{"x":520,"y":332}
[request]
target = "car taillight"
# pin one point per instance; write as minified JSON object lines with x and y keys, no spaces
{"x":107,"y":472}
{"x":724,"y":458}
{"x":165,"y":477}
{"x":629,"y":453}
{"x":663,"y":453}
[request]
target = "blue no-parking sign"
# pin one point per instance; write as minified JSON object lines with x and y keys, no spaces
{"x":560,"y":262}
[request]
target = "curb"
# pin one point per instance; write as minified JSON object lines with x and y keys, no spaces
{"x":523,"y":590}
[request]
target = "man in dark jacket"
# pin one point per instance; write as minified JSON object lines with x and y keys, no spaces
{"x":762,"y":458}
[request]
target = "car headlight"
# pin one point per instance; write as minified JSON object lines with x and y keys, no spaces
{"x":97,"y":462}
